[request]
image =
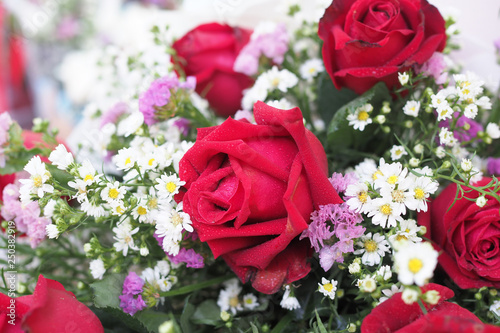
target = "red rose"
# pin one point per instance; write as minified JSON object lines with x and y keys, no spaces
{"x":51,"y":308}
{"x":251,"y":190}
{"x":394,"y":315}
{"x":368,"y":41}
{"x":208,"y":52}
{"x":467,"y":237}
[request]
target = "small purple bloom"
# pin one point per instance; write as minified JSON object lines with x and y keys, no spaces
{"x":341,"y":182}
{"x":133,"y":284}
{"x":493,"y":166}
{"x":463,"y":135}
{"x":131,"y":305}
{"x":183,"y":125}
{"x":190,"y":257}
{"x":112,"y":115}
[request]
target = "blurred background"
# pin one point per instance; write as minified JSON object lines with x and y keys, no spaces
{"x":57,"y":57}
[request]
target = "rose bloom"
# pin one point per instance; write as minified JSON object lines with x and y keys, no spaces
{"x":251,"y":190}
{"x":394,"y":315}
{"x":208,"y":52}
{"x":369,"y":41}
{"x":467,"y":236}
{"x":51,"y":308}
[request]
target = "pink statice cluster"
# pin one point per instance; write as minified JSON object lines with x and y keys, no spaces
{"x":113,"y":113}
{"x":26,"y":216}
{"x":5,"y":122}
{"x":131,"y":299}
{"x":190,"y":257}
{"x":334,"y":227}
{"x":159,"y":94}
{"x":269,"y":40}
{"x":435,"y":67}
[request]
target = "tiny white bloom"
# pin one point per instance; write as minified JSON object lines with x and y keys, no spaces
{"x":403,"y":78}
{"x":51,"y":231}
{"x":354,"y":268}
{"x":421,"y":188}
{"x":168,"y":186}
{"x":418,"y":149}
{"x":48,"y":210}
{"x":229,"y":297}
{"x":144,"y":251}
{"x":388,"y":293}
{"x":250,"y":301}
{"x":466,"y":165}
{"x":397,"y":152}
{"x":481,"y":201}
{"x":367,"y":284}
{"x":431,"y":297}
{"x":113,"y":192}
{"x":372,"y":248}
{"x":384,"y":272}
{"x":409,"y":296}
{"x":282,"y":104}
{"x":358,"y":196}
{"x":87,"y":172}
{"x":412,"y":108}
{"x":278,"y":79}
{"x":131,"y":124}
{"x":289,"y":302}
{"x":384,"y":212}
{"x":440,"y":152}
{"x":38,"y":177}
{"x":311,"y":68}
{"x":415,"y":263}
{"x":123,"y":236}
{"x":493,"y":130}
{"x":61,"y":158}
{"x":446,"y":137}
{"x":414,"y":162}
{"x":97,"y":269}
{"x":92,"y":209}
{"x":470,"y":111}
{"x":407,"y":231}
{"x":125,"y":159}
{"x":361,"y":117}
{"x":495,"y":307}
{"x":328,"y":287}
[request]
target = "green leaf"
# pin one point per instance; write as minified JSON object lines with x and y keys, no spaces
{"x":186,"y":315}
{"x":109,"y":316}
{"x":207,"y":313}
{"x":321,"y":327}
{"x":17,"y":161}
{"x":108,"y":290}
{"x":60,"y":176}
{"x":283,"y":323}
{"x":193,"y":287}
{"x":152,"y":319}
{"x":330,"y":99}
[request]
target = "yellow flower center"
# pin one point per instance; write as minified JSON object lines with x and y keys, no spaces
{"x":362,"y":197}
{"x":151,"y":161}
{"x":312,"y":70}
{"x":401,"y":237}
{"x":113,"y":193}
{"x":249,"y":301}
{"x":37,"y":181}
{"x":119,"y":210}
{"x":176,"y":219}
{"x":328,"y":287}
{"x":376,"y":174}
{"x":419,"y":194}
{"x":233,"y":302}
{"x":153,"y":203}
{"x":415,"y":265}
{"x":170,"y":186}
{"x":127,"y":161}
{"x":275,"y":82}
{"x":386,"y":209}
{"x":88,"y":177}
{"x":370,"y":245}
{"x":363,"y":116}
{"x":392,"y":179}
{"x":141,"y":210}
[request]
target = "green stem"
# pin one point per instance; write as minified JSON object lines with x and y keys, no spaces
{"x":283,"y":323}
{"x":194,"y":287}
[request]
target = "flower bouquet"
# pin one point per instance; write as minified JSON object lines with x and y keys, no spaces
{"x":334,"y":172}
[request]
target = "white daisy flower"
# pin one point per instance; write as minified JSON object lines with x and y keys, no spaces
{"x":92,"y":209}
{"x":113,"y":192}
{"x":403,"y":78}
{"x":421,"y":188}
{"x":373,"y":248}
{"x":61,"y":158}
{"x":493,"y":130}
{"x":81,"y":190}
{"x":228,"y":299}
{"x":388,"y":293}
{"x":384,"y":212}
{"x":358,"y":196}
{"x":97,"y":269}
{"x":168,"y":186}
{"x":51,"y":231}
{"x":366,"y":170}
{"x":311,"y":68}
{"x":250,"y":301}
{"x":415,"y":263}
{"x":384,"y":272}
{"x":88,"y":173}
{"x":141,"y":211}
{"x":38,"y":177}
{"x":279,"y":79}
{"x":411,"y":108}
{"x":123,"y":236}
{"x":471,"y":111}
{"x":439,"y":102}
{"x":328,"y":287}
{"x":361,"y":117}
{"x":407,"y":231}
{"x":483,"y":102}
{"x":289,"y":302}
{"x":125,"y":159}
{"x":397,"y":152}
{"x":390,"y":174}
{"x":117,"y":207}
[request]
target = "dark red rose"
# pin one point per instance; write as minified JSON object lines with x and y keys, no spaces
{"x":251,"y":190}
{"x":51,"y":308}
{"x":368,"y":41}
{"x":467,"y":236}
{"x":394,"y":315}
{"x":208,"y":52}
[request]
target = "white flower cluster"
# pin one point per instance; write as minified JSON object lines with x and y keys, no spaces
{"x":229,"y":298}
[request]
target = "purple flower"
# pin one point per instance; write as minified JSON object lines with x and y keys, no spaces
{"x":272,"y":44}
{"x":435,"y":67}
{"x":329,"y":255}
{"x":130,"y":304}
{"x":497,"y":44}
{"x":68,"y":28}
{"x":340,"y":182}
{"x":183,"y":125}
{"x":112,"y":115}
{"x":159,"y":93}
{"x":461,"y":134}
{"x":133,"y":284}
{"x":190,"y":257}
{"x":36,"y":230}
{"x":493,"y":166}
